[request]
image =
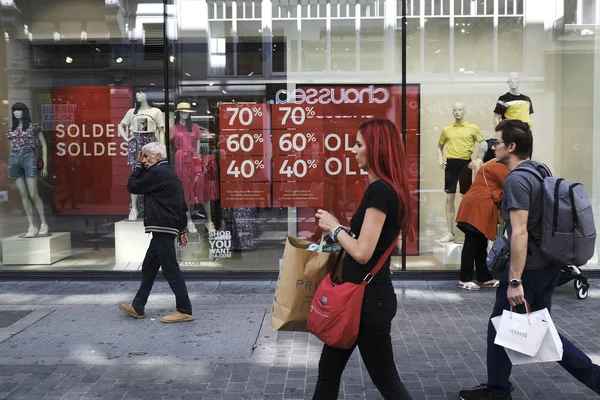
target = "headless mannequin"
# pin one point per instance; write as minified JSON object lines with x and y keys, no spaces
{"x":27,"y":186}
{"x":210,"y":226}
{"x":127,"y":136}
{"x":458,"y":111}
{"x":513,"y":87}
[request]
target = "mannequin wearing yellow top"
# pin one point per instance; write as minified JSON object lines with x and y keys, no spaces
{"x":463,"y":150}
{"x":513,"y":104}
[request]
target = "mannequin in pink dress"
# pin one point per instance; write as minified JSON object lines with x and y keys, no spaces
{"x":189,"y":164}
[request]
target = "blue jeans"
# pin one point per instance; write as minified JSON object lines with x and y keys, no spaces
{"x":538,"y":285}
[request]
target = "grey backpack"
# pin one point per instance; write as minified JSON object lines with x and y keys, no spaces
{"x":568,"y":230}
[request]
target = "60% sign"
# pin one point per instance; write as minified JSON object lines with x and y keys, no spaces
{"x":295,"y":141}
{"x":296,"y":114}
{"x":244,"y":142}
{"x":244,"y":115}
{"x":245,"y":168}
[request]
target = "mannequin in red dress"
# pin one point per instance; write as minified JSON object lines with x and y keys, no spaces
{"x":190,"y":165}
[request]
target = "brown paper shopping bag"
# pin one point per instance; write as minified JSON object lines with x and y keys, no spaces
{"x":300,"y":273}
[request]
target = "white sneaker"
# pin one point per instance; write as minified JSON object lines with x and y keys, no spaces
{"x":448,"y":237}
{"x":210,"y":226}
{"x":133,"y":214}
{"x":32,"y":231}
{"x":191,"y":227}
{"x":44,"y":228}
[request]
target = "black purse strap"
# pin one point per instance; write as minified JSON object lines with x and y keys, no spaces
{"x":369,"y":277}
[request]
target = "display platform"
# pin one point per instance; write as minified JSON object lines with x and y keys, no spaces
{"x":447,"y":253}
{"x":37,"y":250}
{"x":131,"y":242}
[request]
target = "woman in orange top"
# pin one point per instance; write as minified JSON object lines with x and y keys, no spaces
{"x":477,"y":217}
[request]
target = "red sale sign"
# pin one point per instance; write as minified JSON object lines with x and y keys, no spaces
{"x":245,"y":167}
{"x":341,"y":110}
{"x":89,"y":158}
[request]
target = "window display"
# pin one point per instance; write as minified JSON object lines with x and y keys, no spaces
{"x":261,"y":105}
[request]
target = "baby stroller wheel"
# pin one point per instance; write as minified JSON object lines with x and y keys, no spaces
{"x":577,"y":283}
{"x":582,"y":292}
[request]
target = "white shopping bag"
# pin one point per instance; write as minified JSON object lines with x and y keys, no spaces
{"x":521,"y":332}
{"x":550,"y":350}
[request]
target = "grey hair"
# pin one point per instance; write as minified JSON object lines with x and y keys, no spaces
{"x":156,"y":148}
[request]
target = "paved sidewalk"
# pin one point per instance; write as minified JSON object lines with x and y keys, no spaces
{"x":68,"y":340}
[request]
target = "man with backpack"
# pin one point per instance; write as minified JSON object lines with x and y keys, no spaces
{"x":531,"y":275}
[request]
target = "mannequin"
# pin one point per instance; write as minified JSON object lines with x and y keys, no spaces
{"x":191,"y":167}
{"x":513,"y":104}
{"x":23,"y":165}
{"x":462,"y":157}
{"x":141,"y":125}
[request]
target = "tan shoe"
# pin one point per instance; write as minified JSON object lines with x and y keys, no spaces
{"x":176,"y":317}
{"x":129,"y":310}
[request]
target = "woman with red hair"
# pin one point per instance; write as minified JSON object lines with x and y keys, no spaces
{"x":384,"y":212}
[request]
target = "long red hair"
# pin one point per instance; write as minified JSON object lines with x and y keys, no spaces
{"x":386,"y":160}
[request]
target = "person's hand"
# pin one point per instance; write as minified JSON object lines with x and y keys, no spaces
{"x":326,"y":221}
{"x":44,"y":172}
{"x":475,"y":164}
{"x":140,"y":157}
{"x":443,"y":164}
{"x":183,"y":239}
{"x":516,"y":295}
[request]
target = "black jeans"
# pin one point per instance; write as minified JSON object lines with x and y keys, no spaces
{"x":161,"y":253}
{"x":375,"y":345}
{"x":474,"y":251}
{"x":538,"y":285}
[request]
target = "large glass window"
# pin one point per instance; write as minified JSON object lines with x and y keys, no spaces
{"x":258,"y":103}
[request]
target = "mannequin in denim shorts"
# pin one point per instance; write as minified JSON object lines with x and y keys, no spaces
{"x":24,"y":137}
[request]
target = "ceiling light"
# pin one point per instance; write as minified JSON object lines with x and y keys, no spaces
{"x":68,"y":60}
{"x":186,"y":74}
{"x":224,"y":92}
{"x":119,"y":60}
{"x":210,"y":83}
{"x":152,"y":84}
{"x":194,"y":103}
{"x":251,"y":73}
{"x":208,"y":111}
{"x":172,"y":58}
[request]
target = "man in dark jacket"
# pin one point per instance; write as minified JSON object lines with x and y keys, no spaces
{"x":164,"y":217}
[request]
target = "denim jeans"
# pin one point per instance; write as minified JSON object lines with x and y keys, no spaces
{"x":538,"y":285}
{"x":375,"y":345}
{"x":161,"y":253}
{"x":21,"y":165}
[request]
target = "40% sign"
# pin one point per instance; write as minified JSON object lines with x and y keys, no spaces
{"x":244,"y":115}
{"x":295,"y":141}
{"x":297,"y":168}
{"x":245,"y":169}
{"x":297,"y":115}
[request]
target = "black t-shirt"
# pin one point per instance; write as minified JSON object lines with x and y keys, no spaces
{"x":383,"y":197}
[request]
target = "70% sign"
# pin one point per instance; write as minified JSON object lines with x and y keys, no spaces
{"x":297,"y":115}
{"x":243,"y":115}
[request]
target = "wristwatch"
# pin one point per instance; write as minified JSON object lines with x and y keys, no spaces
{"x":515,"y":282}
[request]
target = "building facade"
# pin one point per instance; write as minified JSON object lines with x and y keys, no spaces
{"x":258,"y":103}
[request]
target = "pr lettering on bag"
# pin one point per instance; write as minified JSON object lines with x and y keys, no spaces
{"x":517,"y":333}
{"x":307,"y":284}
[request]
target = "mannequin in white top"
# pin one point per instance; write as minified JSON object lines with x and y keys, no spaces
{"x":187,"y":137}
{"x":23,"y":165}
{"x":141,"y":125}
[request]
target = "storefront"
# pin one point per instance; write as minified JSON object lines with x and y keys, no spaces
{"x":258,"y":103}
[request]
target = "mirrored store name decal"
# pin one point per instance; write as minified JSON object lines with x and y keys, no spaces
{"x":220,"y":244}
{"x":335,"y":95}
{"x":75,"y":145}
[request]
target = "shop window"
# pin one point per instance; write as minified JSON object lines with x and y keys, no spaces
{"x":314,"y":45}
{"x":510,"y":44}
{"x":473,"y":45}
{"x":343,"y":45}
{"x":437,"y":45}
{"x":372,"y":46}
{"x":285,"y":46}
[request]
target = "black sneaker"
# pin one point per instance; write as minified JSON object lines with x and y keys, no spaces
{"x":481,"y":392}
